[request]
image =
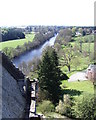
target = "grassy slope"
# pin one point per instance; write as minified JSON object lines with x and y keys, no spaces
{"x":78,"y":89}
{"x":87,"y":37}
{"x":15,"y":43}
{"x":83,"y":60}
{"x":84,"y":46}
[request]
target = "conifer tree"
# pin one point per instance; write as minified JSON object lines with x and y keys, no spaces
{"x":49,"y":76}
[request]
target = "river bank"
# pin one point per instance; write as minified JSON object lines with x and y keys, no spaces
{"x":33,"y":53}
{"x":38,"y":40}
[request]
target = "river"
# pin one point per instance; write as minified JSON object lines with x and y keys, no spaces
{"x":30,"y":55}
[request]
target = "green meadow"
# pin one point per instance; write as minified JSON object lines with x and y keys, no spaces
{"x":82,"y":61}
{"x":15,"y":43}
{"x":78,"y":89}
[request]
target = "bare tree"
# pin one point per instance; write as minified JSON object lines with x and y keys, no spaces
{"x":67,"y":56}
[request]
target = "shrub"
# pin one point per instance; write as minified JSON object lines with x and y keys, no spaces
{"x":45,"y":107}
{"x":64,"y":107}
{"x":9,"y":51}
{"x":85,"y":109}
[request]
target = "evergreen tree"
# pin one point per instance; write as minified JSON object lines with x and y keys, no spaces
{"x":49,"y":76}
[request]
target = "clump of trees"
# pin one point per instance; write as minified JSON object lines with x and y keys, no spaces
{"x":12,"y":34}
{"x":64,"y":36}
{"x":81,"y":31}
{"x":81,"y":109}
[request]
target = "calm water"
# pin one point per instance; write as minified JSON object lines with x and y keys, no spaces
{"x":28,"y":56}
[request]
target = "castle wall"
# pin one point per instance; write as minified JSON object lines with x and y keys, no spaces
{"x":13,"y":103}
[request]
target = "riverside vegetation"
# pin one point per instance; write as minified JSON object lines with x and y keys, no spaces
{"x":70,"y":54}
{"x":23,"y":45}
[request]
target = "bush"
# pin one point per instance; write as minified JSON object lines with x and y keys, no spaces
{"x":45,"y":107}
{"x":85,"y":109}
{"x":9,"y":51}
{"x":64,"y":107}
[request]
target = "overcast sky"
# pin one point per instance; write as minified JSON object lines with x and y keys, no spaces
{"x":47,"y":12}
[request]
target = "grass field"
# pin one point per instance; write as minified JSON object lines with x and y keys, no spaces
{"x":86,"y":37}
{"x":82,"y":65}
{"x":15,"y":43}
{"x":85,"y":46}
{"x":83,"y":60}
{"x":86,"y":42}
{"x":82,"y":88}
{"x":77,"y":89}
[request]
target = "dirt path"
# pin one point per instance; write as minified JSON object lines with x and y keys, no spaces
{"x":78,"y":76}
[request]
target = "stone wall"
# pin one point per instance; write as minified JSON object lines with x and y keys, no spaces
{"x":13,"y":103}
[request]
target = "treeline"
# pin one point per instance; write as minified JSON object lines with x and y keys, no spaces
{"x":38,"y":40}
{"x":69,"y":34}
{"x":44,"y":29}
{"x":76,"y":30}
{"x":82,"y":31}
{"x":18,"y":33}
{"x":12,"y":34}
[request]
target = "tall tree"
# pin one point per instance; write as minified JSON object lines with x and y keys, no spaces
{"x":67,"y":55}
{"x":73,"y":31}
{"x":64,"y":36}
{"x":49,"y":76}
